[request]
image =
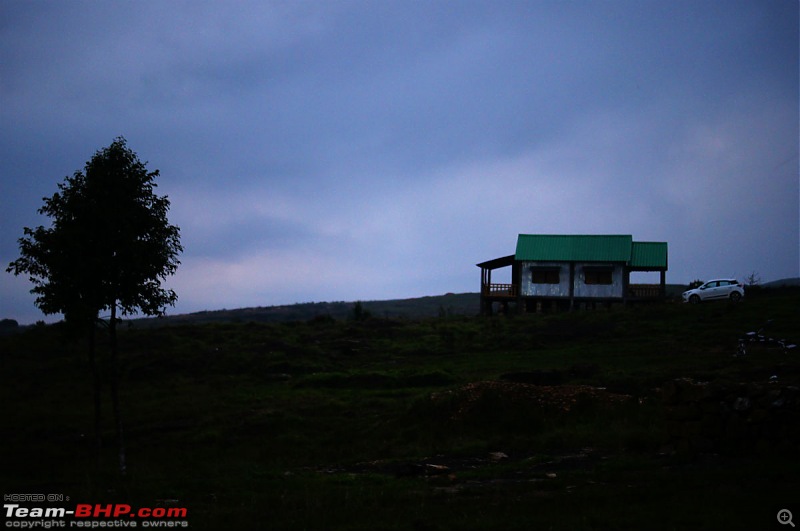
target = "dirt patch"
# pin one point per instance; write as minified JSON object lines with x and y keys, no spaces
{"x":552,"y":376}
{"x":563,"y":398}
{"x":455,"y":474}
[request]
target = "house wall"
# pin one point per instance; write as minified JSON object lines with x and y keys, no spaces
{"x":529,"y":289}
{"x":582,"y":290}
{"x":599,"y":291}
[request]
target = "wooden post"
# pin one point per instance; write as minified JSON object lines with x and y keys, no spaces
{"x":571,"y":285}
{"x":626,"y":282}
{"x":484,"y":289}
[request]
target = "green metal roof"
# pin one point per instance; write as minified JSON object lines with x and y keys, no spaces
{"x":574,"y":248}
{"x":591,"y":248}
{"x":649,"y":255}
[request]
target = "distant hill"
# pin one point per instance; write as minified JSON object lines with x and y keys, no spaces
{"x":420,"y":307}
{"x":449,"y":304}
{"x":784,"y":282}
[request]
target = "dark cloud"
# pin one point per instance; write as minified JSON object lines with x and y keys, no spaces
{"x":343,"y":150}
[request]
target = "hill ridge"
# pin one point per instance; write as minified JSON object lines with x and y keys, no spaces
{"x":448,"y":304}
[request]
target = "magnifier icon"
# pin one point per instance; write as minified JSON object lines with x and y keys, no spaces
{"x":785,"y":517}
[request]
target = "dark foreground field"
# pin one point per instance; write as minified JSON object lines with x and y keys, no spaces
{"x":570,"y":421}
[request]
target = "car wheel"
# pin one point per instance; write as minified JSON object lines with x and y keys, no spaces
{"x":736,"y":296}
{"x":694,"y":299}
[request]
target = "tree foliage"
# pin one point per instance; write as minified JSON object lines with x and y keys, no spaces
{"x":109,"y":245}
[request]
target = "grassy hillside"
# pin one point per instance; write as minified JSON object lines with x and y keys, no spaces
{"x":529,"y":422}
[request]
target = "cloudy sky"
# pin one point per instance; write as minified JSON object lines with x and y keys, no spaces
{"x":344,"y":150}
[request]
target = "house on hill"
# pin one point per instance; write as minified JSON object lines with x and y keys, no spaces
{"x":563,"y":271}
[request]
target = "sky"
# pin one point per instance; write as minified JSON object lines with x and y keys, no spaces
{"x":345,"y":150}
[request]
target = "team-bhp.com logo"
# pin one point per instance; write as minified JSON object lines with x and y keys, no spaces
{"x":94,"y":516}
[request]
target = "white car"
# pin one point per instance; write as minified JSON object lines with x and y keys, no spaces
{"x":720,"y":289}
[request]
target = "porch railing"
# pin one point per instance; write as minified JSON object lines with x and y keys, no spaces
{"x":635,"y":291}
{"x":500,"y":290}
{"x":644,"y":291}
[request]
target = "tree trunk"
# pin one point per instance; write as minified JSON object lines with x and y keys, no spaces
{"x":96,"y":384}
{"x":112,"y":331}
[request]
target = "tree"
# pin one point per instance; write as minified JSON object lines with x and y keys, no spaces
{"x":8,"y":326}
{"x":359,"y":313}
{"x":753,"y":279}
{"x":108,"y":248}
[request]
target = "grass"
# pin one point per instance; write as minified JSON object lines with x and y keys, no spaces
{"x":545,"y":421}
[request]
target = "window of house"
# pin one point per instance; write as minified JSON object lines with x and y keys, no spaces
{"x":549,"y":275}
{"x":598,"y":276}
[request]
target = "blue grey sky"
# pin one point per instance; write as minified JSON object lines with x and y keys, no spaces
{"x":345,"y":150}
